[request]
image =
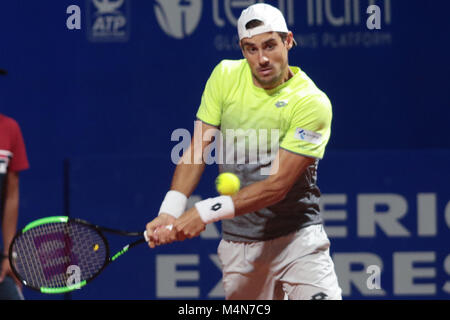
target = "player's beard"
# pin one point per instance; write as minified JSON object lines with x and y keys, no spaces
{"x":272,"y":82}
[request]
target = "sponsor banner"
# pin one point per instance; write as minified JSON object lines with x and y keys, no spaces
{"x":317,"y":24}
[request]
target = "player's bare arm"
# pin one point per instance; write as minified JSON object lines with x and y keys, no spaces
{"x":10,"y":216}
{"x":287,"y":168}
{"x":185,"y":179}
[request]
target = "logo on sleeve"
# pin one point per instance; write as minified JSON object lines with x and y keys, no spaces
{"x":308,"y":136}
{"x":5,"y":156}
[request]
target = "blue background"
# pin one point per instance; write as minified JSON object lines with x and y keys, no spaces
{"x":110,"y":108}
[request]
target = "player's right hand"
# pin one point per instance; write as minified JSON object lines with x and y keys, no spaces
{"x":156,"y":231}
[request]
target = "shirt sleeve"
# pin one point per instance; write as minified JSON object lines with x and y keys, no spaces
{"x":309,"y":128}
{"x":210,"y":110}
{"x":19,"y":159}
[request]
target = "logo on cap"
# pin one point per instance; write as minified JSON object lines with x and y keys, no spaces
{"x":272,"y":18}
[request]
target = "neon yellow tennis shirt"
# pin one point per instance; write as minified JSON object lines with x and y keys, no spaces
{"x":297,"y":108}
{"x":301,"y":115}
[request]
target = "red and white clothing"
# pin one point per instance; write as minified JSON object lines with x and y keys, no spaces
{"x":13,"y":156}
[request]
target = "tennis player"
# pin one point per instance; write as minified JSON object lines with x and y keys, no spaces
{"x":13,"y":159}
{"x":274,"y":244}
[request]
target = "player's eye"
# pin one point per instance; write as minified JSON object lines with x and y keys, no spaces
{"x":270,"y":46}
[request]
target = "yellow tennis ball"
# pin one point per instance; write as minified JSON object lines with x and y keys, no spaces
{"x":227,"y":183}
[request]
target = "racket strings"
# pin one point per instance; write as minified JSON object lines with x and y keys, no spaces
{"x":49,"y":255}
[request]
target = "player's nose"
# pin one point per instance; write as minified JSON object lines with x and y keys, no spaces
{"x":263,"y":59}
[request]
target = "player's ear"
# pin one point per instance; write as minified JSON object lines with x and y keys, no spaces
{"x":289,"y":40}
{"x":242,"y":48}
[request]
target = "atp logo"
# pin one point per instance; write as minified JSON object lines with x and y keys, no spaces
{"x":106,"y":6}
{"x":108,"y":20}
{"x":178,"y":18}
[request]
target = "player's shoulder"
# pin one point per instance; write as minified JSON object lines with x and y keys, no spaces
{"x":8,"y":122}
{"x":228,"y":73}
{"x":309,"y":94}
{"x":228,"y":66}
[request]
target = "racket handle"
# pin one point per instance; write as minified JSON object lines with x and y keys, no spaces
{"x":168,"y":227}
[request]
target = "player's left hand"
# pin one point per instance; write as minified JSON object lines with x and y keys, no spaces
{"x":189,"y":225}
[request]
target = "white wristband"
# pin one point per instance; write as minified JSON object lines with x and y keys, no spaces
{"x":215,"y":209}
{"x":174,"y":204}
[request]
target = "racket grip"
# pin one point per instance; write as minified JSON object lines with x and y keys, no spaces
{"x":168,"y":227}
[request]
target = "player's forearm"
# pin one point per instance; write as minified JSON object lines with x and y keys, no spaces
{"x":187,"y":173}
{"x":10,"y":217}
{"x":251,"y":198}
{"x":187,"y":177}
{"x":286,"y":170}
{"x":191,"y":165}
{"x":259,"y":195}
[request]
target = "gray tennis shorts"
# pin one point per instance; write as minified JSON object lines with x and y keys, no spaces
{"x":297,"y":266}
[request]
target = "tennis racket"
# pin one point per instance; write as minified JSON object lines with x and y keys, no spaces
{"x":60,"y":254}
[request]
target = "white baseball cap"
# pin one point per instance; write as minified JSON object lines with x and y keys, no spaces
{"x":271,"y":17}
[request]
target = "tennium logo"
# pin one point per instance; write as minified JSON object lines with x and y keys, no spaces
{"x":315,"y":23}
{"x":178,"y":18}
